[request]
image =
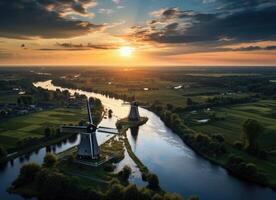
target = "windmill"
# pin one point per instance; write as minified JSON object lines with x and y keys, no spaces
{"x":134,"y":111}
{"x":88,"y":147}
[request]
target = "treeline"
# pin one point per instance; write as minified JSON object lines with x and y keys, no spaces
{"x":246,"y":170}
{"x":65,"y":83}
{"x":210,"y":146}
{"x":48,"y":183}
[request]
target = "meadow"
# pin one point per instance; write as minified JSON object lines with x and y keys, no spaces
{"x":33,"y":125}
{"x":232,"y":118}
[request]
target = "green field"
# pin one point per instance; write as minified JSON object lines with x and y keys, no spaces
{"x":230,"y":127}
{"x":33,"y":125}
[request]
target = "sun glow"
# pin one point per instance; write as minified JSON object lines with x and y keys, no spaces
{"x":126,"y":51}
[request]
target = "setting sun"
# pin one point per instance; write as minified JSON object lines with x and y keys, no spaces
{"x":126,"y":51}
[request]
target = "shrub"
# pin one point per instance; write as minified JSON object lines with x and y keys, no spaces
{"x":3,"y":152}
{"x":131,"y":192}
{"x":47,"y":132}
{"x":153,"y":181}
{"x":49,"y":160}
{"x":218,"y":138}
{"x":172,"y":197}
{"x":109,"y":167}
{"x":125,"y":173}
{"x":252,"y":129}
{"x":27,"y":174}
{"x":115,"y":192}
{"x":238,"y":145}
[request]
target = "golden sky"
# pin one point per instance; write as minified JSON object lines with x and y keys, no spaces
{"x":138,"y":33}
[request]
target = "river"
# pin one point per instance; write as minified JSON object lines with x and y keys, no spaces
{"x":179,"y":169}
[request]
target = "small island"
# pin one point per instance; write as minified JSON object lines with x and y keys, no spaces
{"x":133,"y":120}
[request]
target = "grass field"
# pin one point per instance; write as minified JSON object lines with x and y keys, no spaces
{"x":33,"y":125}
{"x":264,"y":111}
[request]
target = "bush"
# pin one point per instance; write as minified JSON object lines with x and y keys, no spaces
{"x":47,"y":132}
{"x":144,"y":176}
{"x":109,"y":167}
{"x":125,"y":173}
{"x":3,"y":152}
{"x":115,"y":192}
{"x":131,"y":192}
{"x":252,"y":129}
{"x":27,"y":174}
{"x":218,"y":138}
{"x":246,"y":170}
{"x":172,"y":197}
{"x":238,"y":145}
{"x":49,"y":160}
{"x":157,"y":197}
{"x":153,"y":182}
{"x":193,"y":198}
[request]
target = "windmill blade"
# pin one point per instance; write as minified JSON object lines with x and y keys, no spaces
{"x":89,"y":112}
{"x":73,"y":129}
{"x":108,"y":130}
{"x":104,"y":127}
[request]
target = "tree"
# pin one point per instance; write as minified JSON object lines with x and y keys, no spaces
{"x":153,"y":181}
{"x":157,"y":197}
{"x":172,"y":197}
{"x":3,"y":152}
{"x":189,"y":101}
{"x":27,"y":174}
{"x":110,"y":112}
{"x":169,"y":106}
{"x":125,"y":173}
{"x":115,"y":192}
{"x":49,"y":160}
{"x":47,"y":132}
{"x":131,"y":192}
{"x":251,"y":129}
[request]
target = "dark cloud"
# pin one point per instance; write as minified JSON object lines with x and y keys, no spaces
{"x":79,"y":47}
{"x":249,"y":25}
{"x":251,"y":48}
{"x":236,"y":5}
{"x":43,"y":18}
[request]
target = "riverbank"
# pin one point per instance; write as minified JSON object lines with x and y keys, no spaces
{"x":222,"y":154}
{"x":41,"y":143}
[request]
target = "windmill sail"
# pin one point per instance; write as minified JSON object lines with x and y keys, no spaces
{"x":89,"y":112}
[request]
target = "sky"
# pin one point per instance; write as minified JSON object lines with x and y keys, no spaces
{"x":138,"y":32}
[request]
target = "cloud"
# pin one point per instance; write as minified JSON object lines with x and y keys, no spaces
{"x":237,"y":5}
{"x":105,"y":11}
{"x":174,"y":26}
{"x":117,"y":1}
{"x":251,"y":48}
{"x":79,"y":47}
{"x":65,"y":7}
{"x":26,"y":19}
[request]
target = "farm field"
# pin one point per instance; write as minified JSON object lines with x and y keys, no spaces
{"x":233,"y":116}
{"x":33,"y":125}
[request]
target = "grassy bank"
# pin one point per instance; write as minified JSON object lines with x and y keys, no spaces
{"x":14,"y":129}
